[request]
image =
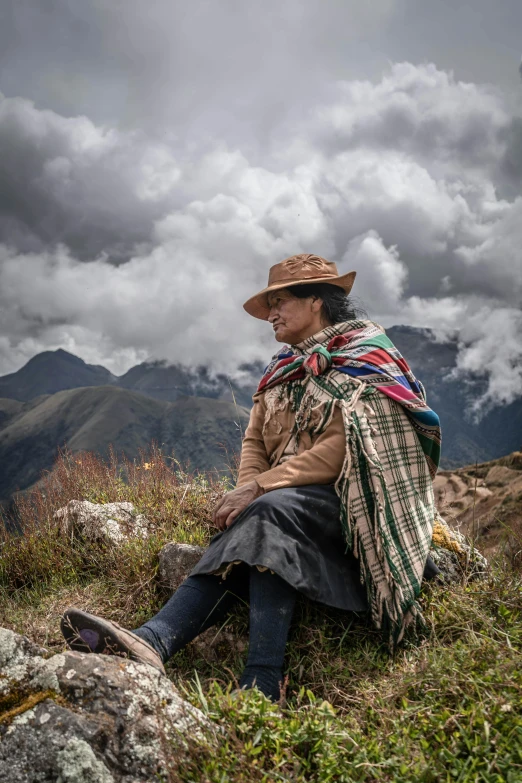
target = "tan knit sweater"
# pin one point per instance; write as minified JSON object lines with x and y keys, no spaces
{"x":267,"y":453}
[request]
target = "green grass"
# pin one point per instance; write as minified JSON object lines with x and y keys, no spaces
{"x":446,"y":707}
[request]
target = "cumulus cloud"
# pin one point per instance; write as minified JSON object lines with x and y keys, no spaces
{"x":67,"y":180}
{"x":491,"y":347}
{"x":120,"y":247}
{"x":381,"y":276}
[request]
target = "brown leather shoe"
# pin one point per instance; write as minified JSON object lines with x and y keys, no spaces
{"x":85,"y":632}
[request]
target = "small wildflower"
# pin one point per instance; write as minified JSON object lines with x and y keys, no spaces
{"x":147,"y":465}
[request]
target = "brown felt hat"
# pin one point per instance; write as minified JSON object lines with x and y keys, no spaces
{"x":302,"y":269}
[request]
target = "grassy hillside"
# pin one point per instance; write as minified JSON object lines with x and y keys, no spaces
{"x":8,"y":410}
{"x":90,"y":418}
{"x":201,"y":432}
{"x":447,"y":707}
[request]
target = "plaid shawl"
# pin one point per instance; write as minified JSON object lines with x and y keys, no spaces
{"x":392,"y":454}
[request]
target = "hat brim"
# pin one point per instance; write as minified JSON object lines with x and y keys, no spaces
{"x":257,"y":305}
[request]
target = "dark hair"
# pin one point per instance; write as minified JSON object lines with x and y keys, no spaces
{"x":337,"y":306}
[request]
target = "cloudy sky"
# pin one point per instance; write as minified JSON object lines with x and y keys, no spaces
{"x":157,"y":158}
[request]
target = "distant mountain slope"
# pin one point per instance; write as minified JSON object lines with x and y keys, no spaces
{"x":8,"y":410}
{"x":51,"y":372}
{"x":156,"y":379}
{"x":169,"y":382}
{"x":199,"y":431}
{"x":54,"y":371}
{"x":58,"y":399}
{"x":464,"y":439}
{"x":203,"y":432}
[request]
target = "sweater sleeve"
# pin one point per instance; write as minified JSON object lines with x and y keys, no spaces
{"x":321,"y":464}
{"x":254,"y":459}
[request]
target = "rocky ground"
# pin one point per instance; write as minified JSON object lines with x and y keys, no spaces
{"x":75,"y":718}
{"x":484,"y":501}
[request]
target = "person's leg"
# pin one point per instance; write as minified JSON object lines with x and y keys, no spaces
{"x":272,"y":602}
{"x":199,"y":603}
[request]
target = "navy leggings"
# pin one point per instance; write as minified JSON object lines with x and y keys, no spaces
{"x":205,"y":600}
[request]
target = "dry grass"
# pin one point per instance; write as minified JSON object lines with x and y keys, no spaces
{"x":157,"y":485}
{"x":446,"y":707}
{"x":42,"y":571}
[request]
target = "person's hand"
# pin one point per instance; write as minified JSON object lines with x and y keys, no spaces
{"x":233,"y":503}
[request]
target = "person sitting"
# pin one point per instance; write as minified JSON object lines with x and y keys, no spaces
{"x":334,"y":497}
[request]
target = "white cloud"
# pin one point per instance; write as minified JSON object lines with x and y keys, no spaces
{"x":421,"y":111}
{"x":492,"y":347}
{"x":381,"y":276}
{"x":398,"y":179}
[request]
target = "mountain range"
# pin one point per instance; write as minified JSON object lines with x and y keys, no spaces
{"x":57,"y":400}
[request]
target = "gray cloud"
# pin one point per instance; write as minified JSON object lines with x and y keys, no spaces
{"x":67,"y":180}
{"x":229,"y":68}
{"x":140,"y":211}
{"x":236,"y":69}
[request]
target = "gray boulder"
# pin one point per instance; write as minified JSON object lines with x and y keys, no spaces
{"x":78,"y":718}
{"x":176,"y":561}
{"x":111,"y":521}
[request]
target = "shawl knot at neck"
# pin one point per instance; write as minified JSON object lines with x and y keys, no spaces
{"x":318,"y":361}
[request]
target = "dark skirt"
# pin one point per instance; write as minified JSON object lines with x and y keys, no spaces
{"x":296,"y":533}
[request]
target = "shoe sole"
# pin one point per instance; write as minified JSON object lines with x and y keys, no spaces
{"x":87,"y":633}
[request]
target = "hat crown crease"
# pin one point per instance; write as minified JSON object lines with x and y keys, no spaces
{"x":303,"y":263}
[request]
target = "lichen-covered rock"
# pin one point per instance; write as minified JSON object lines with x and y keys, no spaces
{"x":78,"y":764}
{"x":176,"y":561}
{"x":79,"y":718}
{"x":112,"y":521}
{"x":455,"y":568}
{"x":454,"y":555}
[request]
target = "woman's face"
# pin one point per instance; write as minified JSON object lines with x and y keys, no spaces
{"x":294,"y":319}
